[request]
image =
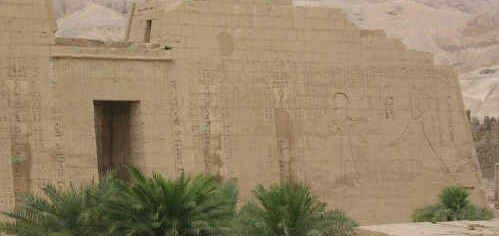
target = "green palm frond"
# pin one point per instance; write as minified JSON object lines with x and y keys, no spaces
{"x":454,"y":204}
{"x":290,"y":210}
{"x":184,"y":206}
{"x":74,"y":212}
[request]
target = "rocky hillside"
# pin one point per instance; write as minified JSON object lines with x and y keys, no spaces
{"x":468,"y":6}
{"x":67,"y":7}
{"x":481,"y":91}
{"x":93,"y":21}
{"x":463,"y":33}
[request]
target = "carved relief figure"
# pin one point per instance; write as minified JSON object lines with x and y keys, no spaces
{"x":419,"y":126}
{"x":341,"y":140}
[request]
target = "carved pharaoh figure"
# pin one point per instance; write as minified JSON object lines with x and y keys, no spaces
{"x":420,"y":124}
{"x":340,"y":128}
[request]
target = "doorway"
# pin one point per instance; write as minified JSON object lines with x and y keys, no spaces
{"x":114,"y":132}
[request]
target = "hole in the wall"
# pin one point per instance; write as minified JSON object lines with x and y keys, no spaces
{"x":147,"y":36}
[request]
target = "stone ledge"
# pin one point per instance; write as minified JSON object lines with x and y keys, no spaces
{"x":109,"y":57}
{"x":92,"y":49}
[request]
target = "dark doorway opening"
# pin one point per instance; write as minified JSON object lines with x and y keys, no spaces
{"x":115,"y":136}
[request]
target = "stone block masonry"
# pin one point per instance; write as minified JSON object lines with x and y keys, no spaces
{"x":256,"y":90}
{"x":268,"y":91}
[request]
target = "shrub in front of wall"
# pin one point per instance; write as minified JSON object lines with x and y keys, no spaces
{"x":454,"y":204}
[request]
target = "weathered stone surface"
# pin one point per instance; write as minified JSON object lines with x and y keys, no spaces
{"x":461,"y":228}
{"x":44,"y":112}
{"x":255,"y":90}
{"x":26,"y":31}
{"x":276,"y":91}
{"x":497,"y":186}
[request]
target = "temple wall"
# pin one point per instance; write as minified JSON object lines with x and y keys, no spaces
{"x":255,"y":90}
{"x":26,"y":33}
{"x":47,"y":131}
{"x":270,"y":92}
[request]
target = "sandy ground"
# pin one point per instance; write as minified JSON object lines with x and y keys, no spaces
{"x":461,"y":228}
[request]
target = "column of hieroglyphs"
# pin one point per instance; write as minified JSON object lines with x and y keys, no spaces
{"x":6,"y":179}
{"x":15,"y":80}
{"x":47,"y":152}
{"x":26,"y":31}
{"x":18,"y":85}
{"x":497,"y":185}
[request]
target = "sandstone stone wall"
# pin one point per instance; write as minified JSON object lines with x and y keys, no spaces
{"x":271,"y":91}
{"x":26,"y":31}
{"x":255,"y":90}
{"x":87,"y":73}
{"x":47,"y":120}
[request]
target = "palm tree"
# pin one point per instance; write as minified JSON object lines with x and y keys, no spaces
{"x":187,"y":206}
{"x":454,"y":204}
{"x":75,"y":212}
{"x":291,"y":210}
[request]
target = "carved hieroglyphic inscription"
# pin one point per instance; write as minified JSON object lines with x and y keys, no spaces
{"x":23,"y":55}
{"x":7,"y":195}
{"x":20,"y":128}
{"x":497,"y":188}
{"x":179,"y":163}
